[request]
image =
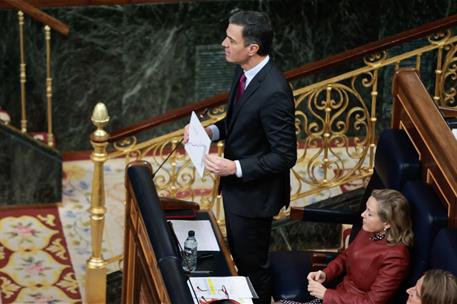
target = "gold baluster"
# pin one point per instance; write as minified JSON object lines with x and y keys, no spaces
{"x":96,"y":265}
{"x":22,"y":72}
{"x":374,"y":96}
{"x":174,"y":174}
{"x":47,"y":31}
{"x":438,"y":72}
{"x":219,"y":208}
{"x":328,"y":109}
{"x":418,"y":62}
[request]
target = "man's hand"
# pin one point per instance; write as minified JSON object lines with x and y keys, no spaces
{"x":186,"y":133}
{"x":220,"y":166}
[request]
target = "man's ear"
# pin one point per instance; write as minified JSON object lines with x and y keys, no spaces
{"x":253,"y":49}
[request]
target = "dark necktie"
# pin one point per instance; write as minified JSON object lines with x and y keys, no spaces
{"x":241,"y":87}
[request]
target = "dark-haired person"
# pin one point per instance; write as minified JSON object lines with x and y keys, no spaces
{"x":260,"y":146}
{"x":376,"y":262}
{"x":435,"y":286}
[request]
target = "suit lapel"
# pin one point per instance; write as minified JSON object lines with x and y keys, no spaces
{"x":231,"y":104}
{"x":250,"y":90}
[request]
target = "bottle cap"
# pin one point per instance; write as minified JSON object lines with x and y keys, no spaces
{"x":191,"y":233}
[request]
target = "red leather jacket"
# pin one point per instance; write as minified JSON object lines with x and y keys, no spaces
{"x":373,"y":271}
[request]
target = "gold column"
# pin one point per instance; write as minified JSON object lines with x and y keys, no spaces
{"x":22,"y":73}
{"x":47,"y":32}
{"x":96,"y":265}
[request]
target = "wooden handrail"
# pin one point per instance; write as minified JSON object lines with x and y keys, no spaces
{"x":448,"y":112}
{"x":40,"y":16}
{"x":169,"y":116}
{"x":307,"y":69}
{"x":65,"y":3}
{"x":372,"y":47}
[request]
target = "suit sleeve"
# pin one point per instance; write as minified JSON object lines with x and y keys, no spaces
{"x":221,"y":127}
{"x":389,"y":278}
{"x":277,"y":118}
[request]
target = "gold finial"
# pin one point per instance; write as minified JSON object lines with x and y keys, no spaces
{"x":100,"y":119}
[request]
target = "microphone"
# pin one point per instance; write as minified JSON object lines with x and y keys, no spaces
{"x":203,"y":113}
{"x":166,"y":158}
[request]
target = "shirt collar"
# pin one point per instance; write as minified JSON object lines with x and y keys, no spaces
{"x":250,"y":74}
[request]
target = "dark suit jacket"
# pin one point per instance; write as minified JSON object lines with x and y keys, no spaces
{"x":259,"y":132}
{"x":373,"y":271}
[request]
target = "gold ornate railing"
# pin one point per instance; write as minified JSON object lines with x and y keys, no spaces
{"x":336,"y":123}
{"x":336,"y":118}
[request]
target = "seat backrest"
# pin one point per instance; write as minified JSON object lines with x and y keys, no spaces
{"x":396,"y":162}
{"x":444,"y":251}
{"x":428,"y":216}
{"x":396,"y":159}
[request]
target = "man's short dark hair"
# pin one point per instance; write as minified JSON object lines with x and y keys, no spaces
{"x":256,"y":29}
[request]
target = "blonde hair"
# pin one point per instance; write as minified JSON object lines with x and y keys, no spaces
{"x":439,"y":287}
{"x":393,"y":208}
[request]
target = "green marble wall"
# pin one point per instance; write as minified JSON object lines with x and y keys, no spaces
{"x":143,"y":60}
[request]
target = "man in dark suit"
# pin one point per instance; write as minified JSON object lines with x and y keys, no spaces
{"x":260,"y":146}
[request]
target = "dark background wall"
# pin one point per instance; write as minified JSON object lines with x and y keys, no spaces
{"x":143,"y":60}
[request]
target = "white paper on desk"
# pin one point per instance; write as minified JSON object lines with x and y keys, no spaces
{"x":454,"y":132}
{"x":198,"y":145}
{"x":204,"y":233}
{"x":210,"y":288}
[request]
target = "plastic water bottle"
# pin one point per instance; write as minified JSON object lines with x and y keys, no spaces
{"x":189,"y":262}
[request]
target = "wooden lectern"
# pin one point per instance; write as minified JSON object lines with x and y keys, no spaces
{"x":152,"y":260}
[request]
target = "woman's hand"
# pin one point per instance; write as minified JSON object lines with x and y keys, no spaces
{"x":316,"y":289}
{"x":317,"y":276}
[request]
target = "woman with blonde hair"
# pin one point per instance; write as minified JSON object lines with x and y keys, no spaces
{"x":377,"y":261}
{"x":435,"y":286}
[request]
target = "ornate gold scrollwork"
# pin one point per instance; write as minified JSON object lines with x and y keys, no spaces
{"x":333,"y":125}
{"x":439,"y":38}
{"x":449,"y":77}
{"x":375,"y":58}
{"x":217,"y":112}
{"x":125,"y":144}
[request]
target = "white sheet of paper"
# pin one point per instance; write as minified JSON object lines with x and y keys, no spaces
{"x":206,"y":240}
{"x":454,"y":131}
{"x":211,"y":288}
{"x":198,"y":145}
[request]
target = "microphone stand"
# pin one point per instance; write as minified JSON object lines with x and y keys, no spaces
{"x":168,"y":156}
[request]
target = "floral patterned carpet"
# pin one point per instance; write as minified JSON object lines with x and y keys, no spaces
{"x":35,"y":265}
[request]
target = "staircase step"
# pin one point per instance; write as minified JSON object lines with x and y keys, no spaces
{"x":31,"y":171}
